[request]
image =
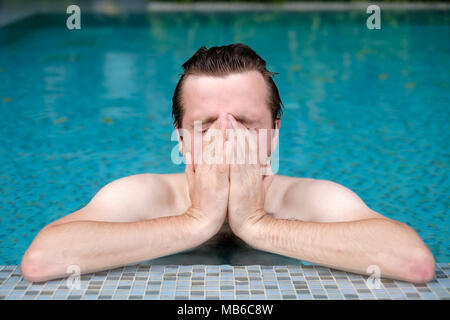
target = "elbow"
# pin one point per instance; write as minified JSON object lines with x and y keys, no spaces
{"x":41,"y":262}
{"x":417,"y":264}
{"x":417,"y":267}
{"x":37,"y":265}
{"x":422,"y":267}
{"x":33,"y":267}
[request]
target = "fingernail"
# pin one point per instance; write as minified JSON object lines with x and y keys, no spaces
{"x":229,"y":126}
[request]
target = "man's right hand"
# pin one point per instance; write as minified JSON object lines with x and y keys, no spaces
{"x":209,"y":181}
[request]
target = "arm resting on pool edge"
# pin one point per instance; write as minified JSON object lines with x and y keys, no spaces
{"x":351,"y":246}
{"x":96,"y":245}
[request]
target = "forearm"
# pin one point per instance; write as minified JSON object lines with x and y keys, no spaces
{"x":351,"y":246}
{"x":96,"y":245}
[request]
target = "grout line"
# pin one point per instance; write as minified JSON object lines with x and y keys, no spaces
{"x":438,"y":289}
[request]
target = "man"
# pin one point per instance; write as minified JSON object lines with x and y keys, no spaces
{"x":146,"y":216}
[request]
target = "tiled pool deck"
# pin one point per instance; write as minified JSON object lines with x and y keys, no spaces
{"x":222,"y":282}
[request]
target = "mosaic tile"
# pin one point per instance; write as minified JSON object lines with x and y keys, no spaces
{"x":175,"y":282}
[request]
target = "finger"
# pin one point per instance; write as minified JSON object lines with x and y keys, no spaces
{"x":247,"y":139}
{"x":207,"y":144}
{"x":219,"y":139}
{"x":253,"y":147}
{"x":216,"y":124}
{"x":246,"y":148}
{"x":235,"y":123}
{"x":232,"y":156}
{"x":267,"y":181}
{"x":240,"y":145}
{"x":228,"y":154}
{"x":214,"y":141}
{"x":208,"y":154}
{"x":189,"y":169}
{"x":211,"y":131}
{"x":221,"y":159}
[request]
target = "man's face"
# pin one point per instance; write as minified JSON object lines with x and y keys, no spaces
{"x":243,"y":95}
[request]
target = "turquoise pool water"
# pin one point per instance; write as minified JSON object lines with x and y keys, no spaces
{"x":367,"y":109}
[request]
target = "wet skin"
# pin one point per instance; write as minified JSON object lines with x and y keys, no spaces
{"x":147,"y":216}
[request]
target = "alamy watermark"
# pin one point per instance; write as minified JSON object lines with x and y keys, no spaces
{"x":252,"y":146}
{"x":73,"y":281}
{"x":74,"y":20}
{"x":374,"y":20}
{"x":373,"y":282}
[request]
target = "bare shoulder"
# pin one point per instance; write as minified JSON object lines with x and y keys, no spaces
{"x":144,"y":195}
{"x":132,"y":198}
{"x":320,"y":200}
{"x":138,"y":187}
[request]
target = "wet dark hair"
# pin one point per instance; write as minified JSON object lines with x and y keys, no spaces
{"x":222,"y":61}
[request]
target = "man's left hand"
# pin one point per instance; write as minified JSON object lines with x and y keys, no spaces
{"x":248,"y":186}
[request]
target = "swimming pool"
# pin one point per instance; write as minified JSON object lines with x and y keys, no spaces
{"x":366,"y":108}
